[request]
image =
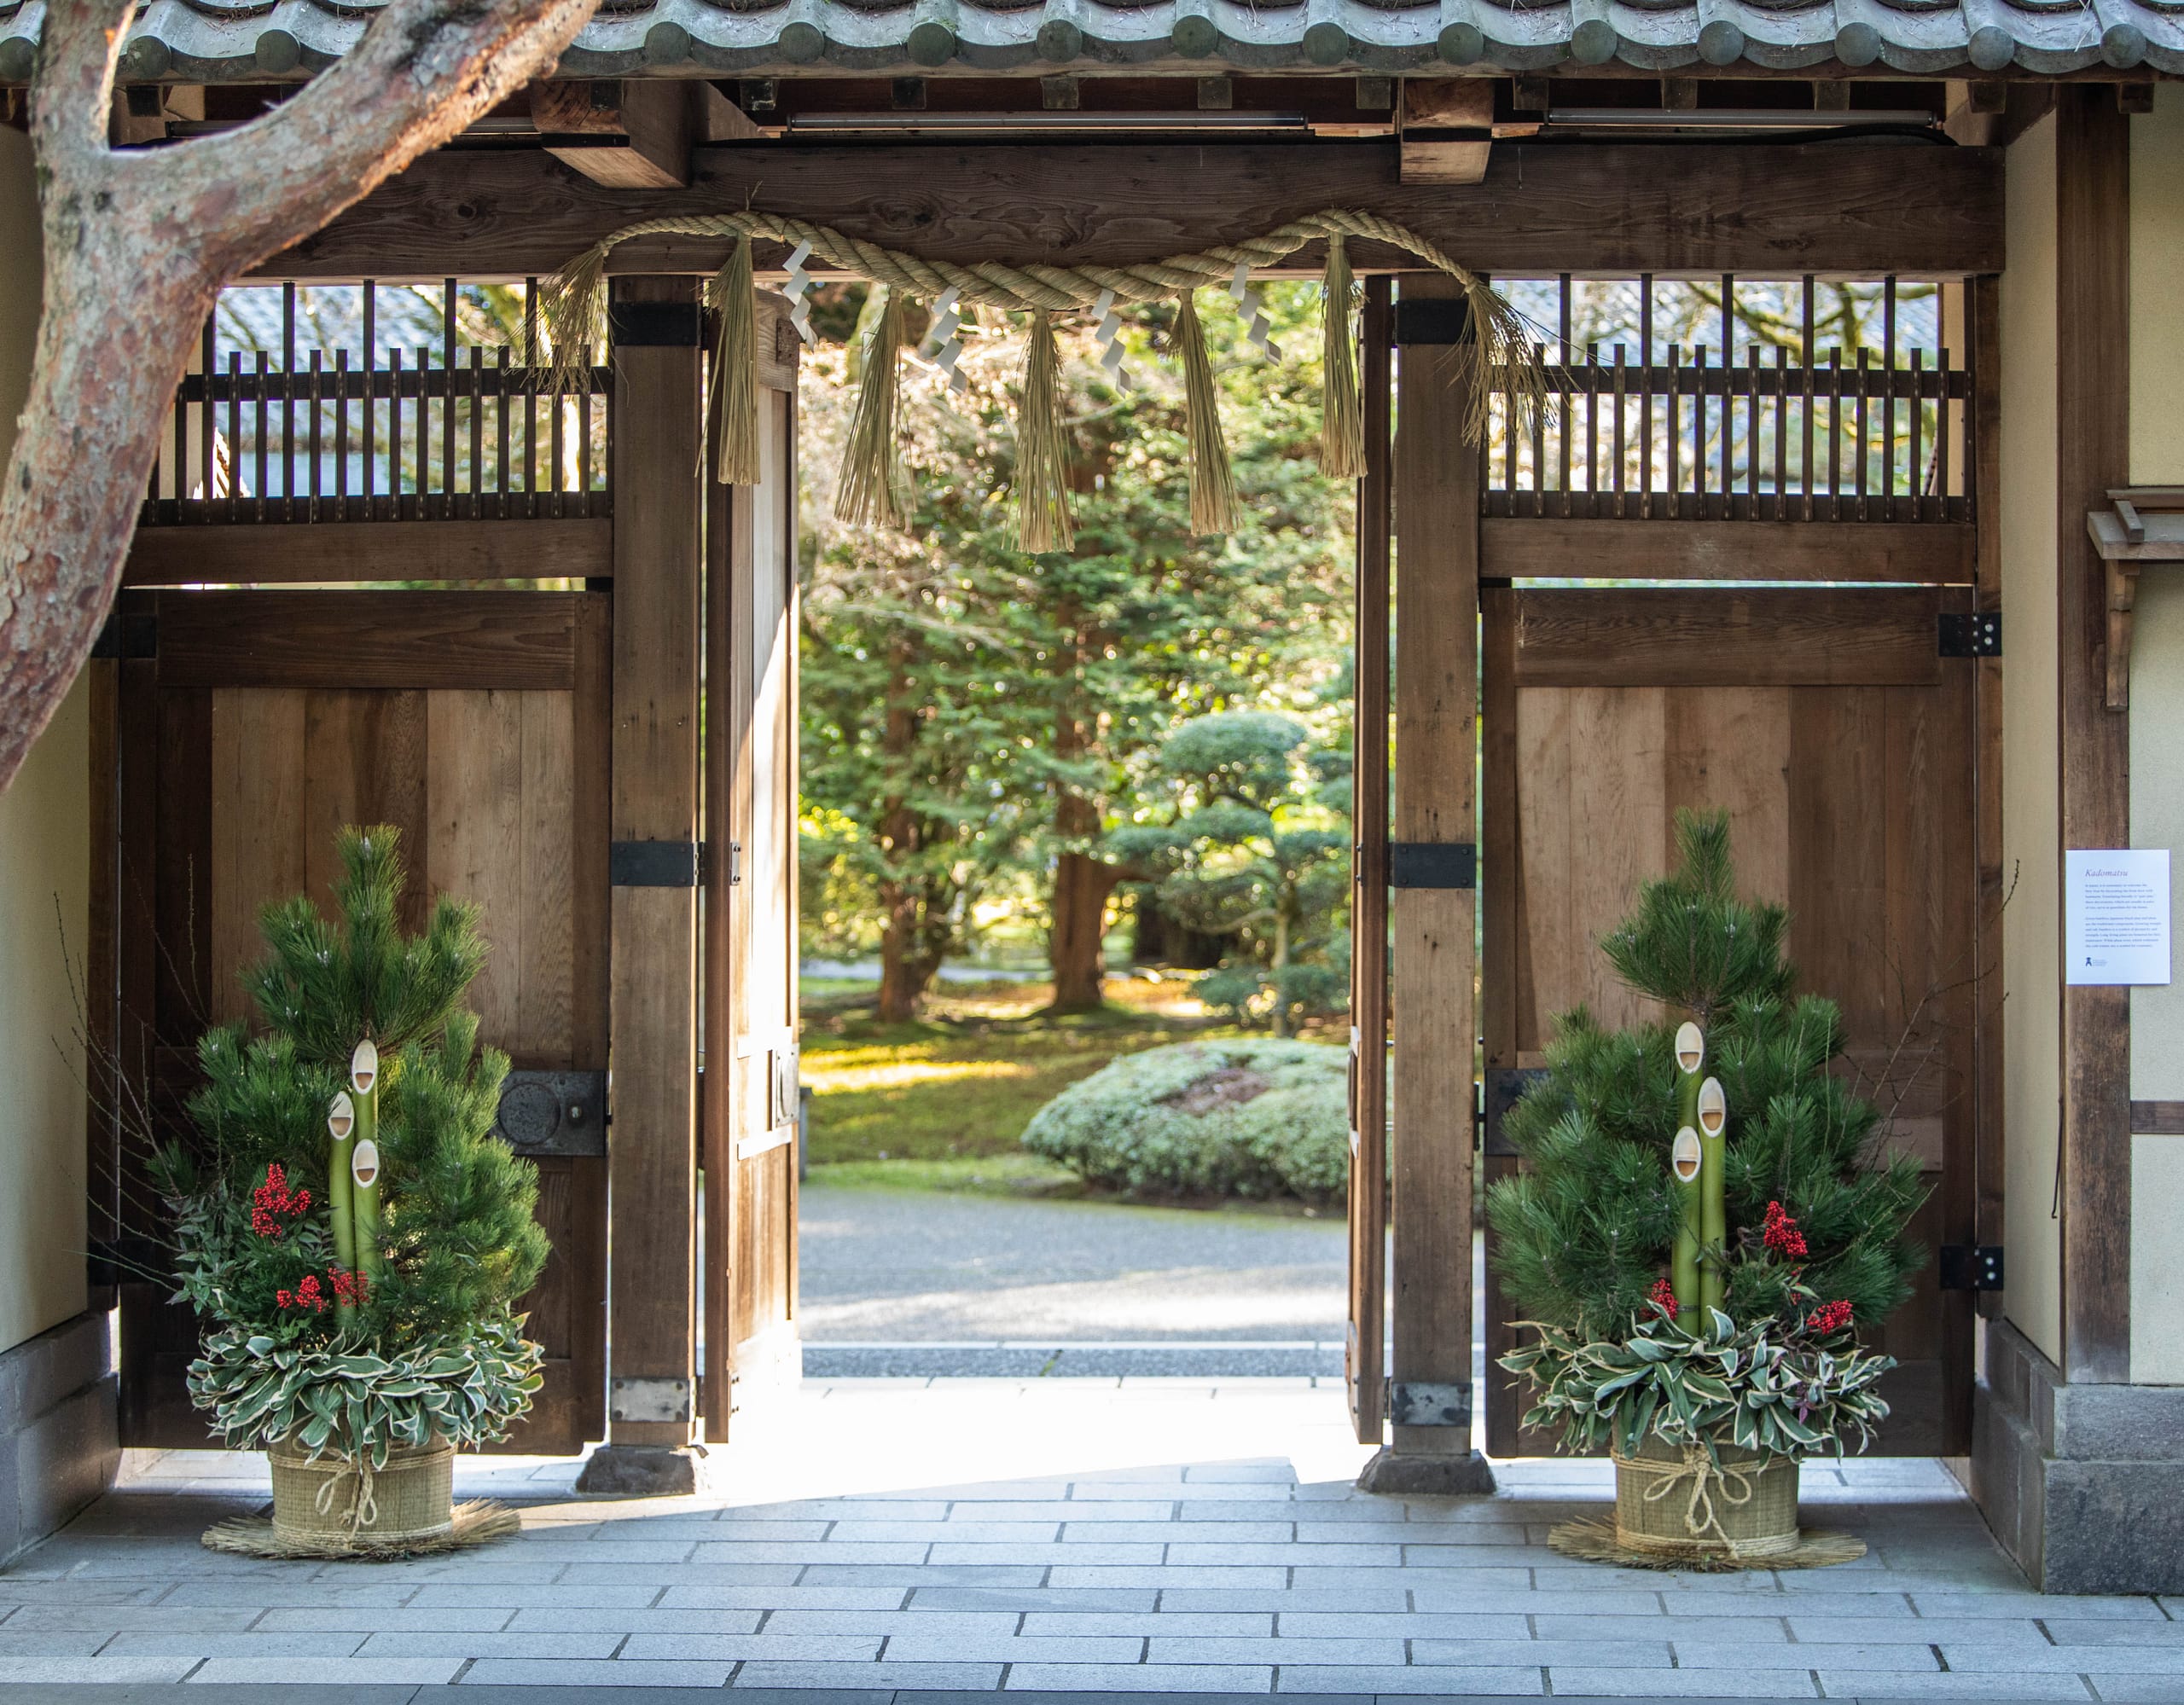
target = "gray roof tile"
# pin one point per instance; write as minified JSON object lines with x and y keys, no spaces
{"x":234,"y":40}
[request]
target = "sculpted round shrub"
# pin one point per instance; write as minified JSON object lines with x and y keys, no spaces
{"x":1245,"y":1118}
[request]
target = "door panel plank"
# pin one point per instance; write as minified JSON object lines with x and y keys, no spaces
{"x":1657,"y":637}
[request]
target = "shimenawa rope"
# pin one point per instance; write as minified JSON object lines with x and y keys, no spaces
{"x":572,"y":308}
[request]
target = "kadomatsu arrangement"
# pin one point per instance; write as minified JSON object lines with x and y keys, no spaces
{"x":1704,"y":1233}
{"x":347,"y":1227}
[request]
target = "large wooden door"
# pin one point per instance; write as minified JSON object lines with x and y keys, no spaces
{"x":751,"y":974}
{"x":250,"y":726}
{"x":1837,"y":738}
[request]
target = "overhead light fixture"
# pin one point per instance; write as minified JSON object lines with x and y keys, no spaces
{"x":1730,"y":119}
{"x":972,"y":123}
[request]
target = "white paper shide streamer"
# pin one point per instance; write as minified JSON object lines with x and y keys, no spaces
{"x":799,"y":282}
{"x":1251,"y":309}
{"x":945,"y":323}
{"x":1110,"y":336}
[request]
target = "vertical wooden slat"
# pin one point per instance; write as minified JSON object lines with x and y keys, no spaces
{"x":260,"y":502}
{"x":1752,"y":439}
{"x":1645,"y":397}
{"x":1864,"y":437}
{"x":1562,"y":391}
{"x":341,"y":435}
{"x":583,"y":506}
{"x":1593,"y":429}
{"x":2093,"y":379}
{"x":472,"y":508}
{"x":1622,"y":503}
{"x":1887,"y":510}
{"x":393,"y":503}
{"x":504,"y":475}
{"x":1779,"y":508}
{"x":288,"y":402}
{"x":1941,"y":436}
{"x":316,"y":446}
{"x":658,"y":615}
{"x":1701,"y":409}
{"x":1673,"y":435}
{"x":1808,"y":358}
{"x":557,"y":403}
{"x":1365,"y":1362}
{"x":1835,"y":433}
{"x":368,"y":439}
{"x":234,"y":432}
{"x":448,"y":362}
{"x":1915,"y":430}
{"x":1435,"y":693}
{"x":1538,"y":504}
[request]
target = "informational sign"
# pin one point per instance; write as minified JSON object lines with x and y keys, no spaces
{"x":2116,"y":916}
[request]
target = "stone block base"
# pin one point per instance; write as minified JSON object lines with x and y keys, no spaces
{"x":58,"y":1430}
{"x":2083,"y":1484}
{"x":1410,"y":1473}
{"x":639,"y":1471}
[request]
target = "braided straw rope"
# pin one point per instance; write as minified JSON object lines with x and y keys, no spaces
{"x":573,"y":303}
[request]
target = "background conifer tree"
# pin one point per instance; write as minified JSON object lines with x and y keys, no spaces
{"x":1585,"y":1233}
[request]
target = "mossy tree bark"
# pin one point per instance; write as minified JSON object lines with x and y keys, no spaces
{"x":138,"y":243}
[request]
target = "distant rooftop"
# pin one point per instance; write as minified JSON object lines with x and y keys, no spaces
{"x":205,"y":41}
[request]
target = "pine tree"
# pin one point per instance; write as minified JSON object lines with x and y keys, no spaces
{"x":444,"y":1233}
{"x":1585,"y":1236}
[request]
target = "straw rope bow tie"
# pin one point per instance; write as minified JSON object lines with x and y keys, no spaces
{"x":873,"y":488}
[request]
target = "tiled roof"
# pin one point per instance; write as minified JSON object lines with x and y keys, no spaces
{"x":230,"y":40}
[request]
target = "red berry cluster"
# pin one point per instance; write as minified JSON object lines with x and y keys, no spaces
{"x":1663,"y":1298}
{"x":273,"y":1207}
{"x":309,"y":1296}
{"x":1829,"y":1317}
{"x":306,"y":1296}
{"x":1781,"y":1234}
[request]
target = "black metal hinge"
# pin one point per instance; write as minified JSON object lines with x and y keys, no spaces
{"x":656,"y":864}
{"x":128,"y":634}
{"x":1433,"y":320}
{"x":653,"y":325}
{"x":1979,"y":633}
{"x":1432,"y":864}
{"x":1969,"y":1266}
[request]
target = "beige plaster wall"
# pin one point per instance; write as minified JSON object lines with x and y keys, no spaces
{"x":44,"y":882}
{"x":2158,"y":726}
{"x":2032,"y":949}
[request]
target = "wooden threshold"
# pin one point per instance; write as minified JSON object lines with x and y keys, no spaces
{"x":1909,"y":553}
{"x":277,"y":552}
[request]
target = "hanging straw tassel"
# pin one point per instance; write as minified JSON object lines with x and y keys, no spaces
{"x":1342,"y":424}
{"x":1213,"y":481}
{"x":1501,"y":352}
{"x":1043,"y":522}
{"x":871,"y":489}
{"x":730,"y":293}
{"x":572,"y":308}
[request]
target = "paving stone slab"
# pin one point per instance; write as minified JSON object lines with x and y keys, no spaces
{"x":980,"y":1677}
{"x":613,"y":1673}
{"x":227,"y":1671}
{"x":1415,"y":1680}
{"x":737,"y":1647}
{"x":1577,"y":1680}
{"x":1146,"y":1678}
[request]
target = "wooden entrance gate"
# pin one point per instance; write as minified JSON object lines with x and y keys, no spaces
{"x":533,"y":764}
{"x":251,"y":725}
{"x":1749,"y":587}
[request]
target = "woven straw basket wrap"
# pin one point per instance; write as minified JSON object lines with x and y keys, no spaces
{"x":338,"y":1499}
{"x":1676,"y":1501}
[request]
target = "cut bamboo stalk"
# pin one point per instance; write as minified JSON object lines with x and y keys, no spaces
{"x":1685,"y":1161}
{"x":1713,"y":1206}
{"x":364,"y":1159}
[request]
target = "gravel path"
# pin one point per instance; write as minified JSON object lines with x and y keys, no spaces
{"x":986,"y":1285}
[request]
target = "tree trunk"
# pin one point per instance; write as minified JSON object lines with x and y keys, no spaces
{"x":1081,"y":887}
{"x":905,"y":971}
{"x":136,"y":246}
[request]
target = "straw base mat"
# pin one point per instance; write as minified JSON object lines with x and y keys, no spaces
{"x":1593,"y":1540}
{"x":477,"y":1522}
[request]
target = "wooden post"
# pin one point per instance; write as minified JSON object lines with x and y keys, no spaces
{"x":1365,"y":1361}
{"x":652,"y":1155}
{"x":1430,"y":859}
{"x":1982,"y":340}
{"x":2093,"y":378}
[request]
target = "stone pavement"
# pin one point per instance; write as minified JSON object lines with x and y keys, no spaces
{"x":1062,"y":1536}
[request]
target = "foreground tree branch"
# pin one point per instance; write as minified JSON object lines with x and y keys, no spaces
{"x":137,"y":245}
